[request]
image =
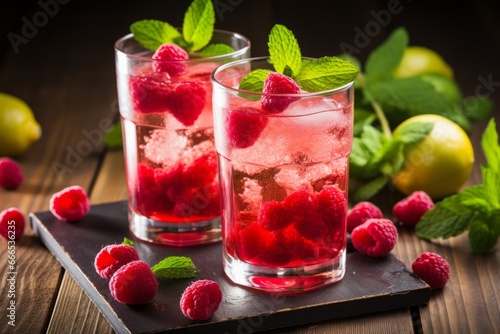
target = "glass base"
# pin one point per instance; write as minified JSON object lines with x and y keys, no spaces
{"x":174,"y":234}
{"x":289,"y":280}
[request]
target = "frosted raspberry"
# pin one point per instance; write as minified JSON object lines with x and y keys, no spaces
{"x":70,"y":204}
{"x":201,"y":299}
{"x":410,"y":209}
{"x":11,"y":224}
{"x":244,"y":126}
{"x":375,"y":237}
{"x":432,"y":269}
{"x":149,"y":95}
{"x":169,"y":58}
{"x":186,"y":101}
{"x":362,"y":212}
{"x":133,"y":283}
{"x":277,"y":83}
{"x":11,"y":174}
{"x":113,"y":257}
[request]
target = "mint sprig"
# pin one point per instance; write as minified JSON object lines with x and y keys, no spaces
{"x":127,"y":241}
{"x":312,"y":75}
{"x":476,"y":208}
{"x":197,"y":31}
{"x":175,"y":267}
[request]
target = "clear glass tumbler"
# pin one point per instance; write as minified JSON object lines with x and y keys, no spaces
{"x":284,"y":180}
{"x":170,"y":157}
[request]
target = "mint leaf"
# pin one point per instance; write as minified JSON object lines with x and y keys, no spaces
{"x":113,"y":136}
{"x":127,"y":241}
{"x":450,"y":217}
{"x":383,"y":61}
{"x":326,"y":73}
{"x":175,"y":267}
{"x":198,"y":25}
{"x":362,"y":117}
{"x":409,"y":97}
{"x":284,"y":51}
{"x":414,"y":132}
{"x":254,"y":81}
{"x":491,"y":149}
{"x":491,"y":186}
{"x":153,"y":33}
{"x":213,"y":50}
{"x":369,"y":189}
{"x":481,"y":237}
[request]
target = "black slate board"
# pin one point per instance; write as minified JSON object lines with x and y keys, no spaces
{"x":370,"y":285}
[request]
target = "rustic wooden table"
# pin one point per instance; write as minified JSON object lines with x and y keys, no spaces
{"x":58,"y":57}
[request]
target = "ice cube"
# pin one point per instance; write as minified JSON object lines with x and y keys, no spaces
{"x":164,"y":147}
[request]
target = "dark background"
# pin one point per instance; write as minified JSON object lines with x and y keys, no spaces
{"x":78,"y":35}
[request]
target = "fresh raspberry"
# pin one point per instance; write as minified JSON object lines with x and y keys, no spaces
{"x":11,"y":174}
{"x":200,"y":300}
{"x":332,"y":206}
{"x":360,"y":213}
{"x":11,"y":224}
{"x":410,"y":209}
{"x":198,"y":202}
{"x":133,"y":283}
{"x":169,"y":58}
{"x":432,"y":269}
{"x":149,"y":95}
{"x":113,"y":257}
{"x":201,"y":172}
{"x":273,"y":216}
{"x":375,"y":237}
{"x":244,"y":126}
{"x":253,"y":241}
{"x":186,"y":101}
{"x":277,"y":83}
{"x":70,"y":204}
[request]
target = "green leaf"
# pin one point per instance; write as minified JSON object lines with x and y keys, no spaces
{"x":284,"y":50}
{"x":392,"y":157}
{"x":491,"y":149}
{"x":372,"y":138}
{"x":127,"y":241}
{"x":198,"y":25}
{"x":362,"y":117}
{"x":370,"y":189}
{"x":254,"y":81}
{"x":175,"y":267}
{"x":383,"y":61}
{"x":153,"y":33}
{"x":213,"y":50}
{"x":450,"y":217}
{"x":326,"y":73}
{"x":477,"y":108}
{"x":409,"y":97}
{"x":481,"y":237}
{"x":491,"y":186}
{"x":113,"y":136}
{"x":414,"y":132}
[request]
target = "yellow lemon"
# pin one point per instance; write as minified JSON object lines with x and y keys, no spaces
{"x":419,"y":60}
{"x":18,"y":127}
{"x":439,"y":164}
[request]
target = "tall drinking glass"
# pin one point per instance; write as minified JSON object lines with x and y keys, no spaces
{"x":283,"y":180}
{"x":170,"y":157}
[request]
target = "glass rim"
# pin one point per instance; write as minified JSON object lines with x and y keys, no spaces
{"x":235,"y":53}
{"x":250,"y":93}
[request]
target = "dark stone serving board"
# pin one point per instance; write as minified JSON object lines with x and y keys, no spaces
{"x":369,"y":285}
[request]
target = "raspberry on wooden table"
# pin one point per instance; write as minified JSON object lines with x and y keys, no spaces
{"x":70,"y":204}
{"x":11,"y":174}
{"x":362,"y":212}
{"x":375,"y":237}
{"x":113,"y":257}
{"x":410,"y":209}
{"x":432,"y":269}
{"x":11,"y":223}
{"x":200,"y":300}
{"x":134,"y":283}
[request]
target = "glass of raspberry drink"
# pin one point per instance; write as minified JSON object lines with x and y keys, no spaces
{"x":283,"y":165}
{"x":170,"y":158}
